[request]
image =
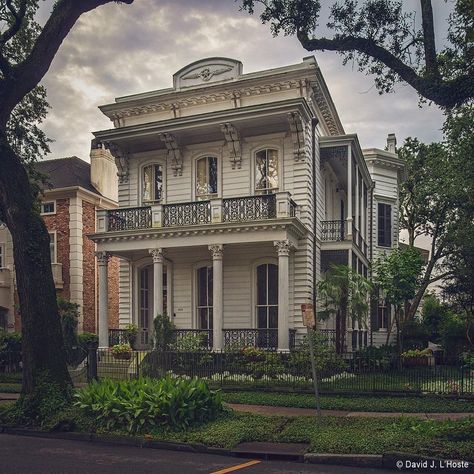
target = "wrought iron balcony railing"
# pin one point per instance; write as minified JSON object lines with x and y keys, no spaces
{"x":185,"y":339}
{"x":238,"y":209}
{"x":332,"y":231}
{"x":249,"y":208}
{"x":189,"y":213}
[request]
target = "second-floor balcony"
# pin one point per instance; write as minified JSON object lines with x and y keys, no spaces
{"x":213,"y":211}
{"x":336,"y":231}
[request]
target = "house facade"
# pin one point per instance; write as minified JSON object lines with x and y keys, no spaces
{"x":75,"y":190}
{"x":236,"y":192}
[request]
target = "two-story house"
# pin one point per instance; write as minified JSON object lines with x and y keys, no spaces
{"x":236,"y":191}
{"x":73,"y":192}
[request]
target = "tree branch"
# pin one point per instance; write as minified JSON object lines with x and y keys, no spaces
{"x":429,"y":42}
{"x":29,"y":73}
{"x":447,"y":94}
{"x":17,"y":21}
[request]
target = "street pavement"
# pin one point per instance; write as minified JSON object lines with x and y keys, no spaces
{"x":29,"y":455}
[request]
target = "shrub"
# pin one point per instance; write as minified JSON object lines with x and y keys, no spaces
{"x":87,"y":339}
{"x":163,"y":332}
{"x":415,"y":353}
{"x":10,"y":341}
{"x":131,"y":333}
{"x":121,"y":349}
{"x":141,"y":404}
{"x":191,"y":343}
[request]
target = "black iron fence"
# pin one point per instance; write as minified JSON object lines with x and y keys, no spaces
{"x":332,"y":231}
{"x":251,"y":369}
{"x":188,"y":213}
{"x":118,"y":336}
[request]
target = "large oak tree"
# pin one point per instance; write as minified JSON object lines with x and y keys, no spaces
{"x":26,"y":53}
{"x":386,"y":40}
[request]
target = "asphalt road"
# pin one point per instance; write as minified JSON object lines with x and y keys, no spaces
{"x":28,"y":455}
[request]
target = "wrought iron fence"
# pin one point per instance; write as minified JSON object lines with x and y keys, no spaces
{"x":349,"y":373}
{"x":189,"y":213}
{"x":332,"y":231}
{"x":10,"y":362}
{"x":129,"y":218}
{"x":249,"y":208}
{"x":118,"y":336}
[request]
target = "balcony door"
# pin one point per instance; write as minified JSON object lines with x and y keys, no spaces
{"x":267,"y":304}
{"x":145,"y":303}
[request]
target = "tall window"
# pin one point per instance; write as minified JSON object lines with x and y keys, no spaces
{"x":204,"y":297}
{"x":52,"y":246}
{"x":384,"y":225}
{"x":206,"y":177}
{"x":144,"y":304}
{"x":383,"y":314}
{"x":267,"y":296}
{"x":152,"y":183}
{"x":266,"y":171}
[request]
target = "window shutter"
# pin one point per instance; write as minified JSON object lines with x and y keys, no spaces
{"x":388,"y":225}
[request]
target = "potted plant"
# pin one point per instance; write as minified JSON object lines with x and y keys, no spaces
{"x":131,"y":332}
{"x":121,"y":351}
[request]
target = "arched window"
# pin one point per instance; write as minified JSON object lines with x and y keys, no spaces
{"x":152,"y":183}
{"x":266,"y":171}
{"x":267,"y":296}
{"x":206,"y":177}
{"x":204,"y":297}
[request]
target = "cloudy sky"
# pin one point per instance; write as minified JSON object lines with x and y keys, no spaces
{"x":118,"y":50}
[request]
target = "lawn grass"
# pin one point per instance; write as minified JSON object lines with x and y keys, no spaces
{"x":10,"y":387}
{"x":353,"y":403}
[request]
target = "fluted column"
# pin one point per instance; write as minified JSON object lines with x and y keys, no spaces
{"x":217,"y":296}
{"x":103,"y":303}
{"x":283,"y":249}
{"x":349,"y":193}
{"x":158,"y":260}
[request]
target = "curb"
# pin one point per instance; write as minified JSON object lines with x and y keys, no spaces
{"x":387,"y":461}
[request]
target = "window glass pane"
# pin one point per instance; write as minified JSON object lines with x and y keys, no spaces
{"x":47,"y":207}
{"x":201,"y":177}
{"x":209,"y":318}
{"x":212,"y":175}
{"x":273,"y":317}
{"x":203,"y":318}
{"x":262,"y":284}
{"x":52,"y":246}
{"x":147,"y":182}
{"x":202,"y":286}
{"x":261,"y":170}
{"x":262,"y":317}
{"x":158,"y":190}
{"x":209,"y":285}
{"x":272,"y":284}
{"x":272,"y":169}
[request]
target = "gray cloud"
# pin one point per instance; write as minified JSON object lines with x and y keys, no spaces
{"x":117,"y":50}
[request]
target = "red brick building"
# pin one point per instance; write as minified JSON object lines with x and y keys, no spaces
{"x":75,"y":191}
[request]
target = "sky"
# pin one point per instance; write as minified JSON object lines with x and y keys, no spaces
{"x":121,"y":49}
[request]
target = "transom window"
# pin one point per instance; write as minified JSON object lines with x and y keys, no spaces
{"x":204,"y":297}
{"x":206,"y":177}
{"x":266,"y":171}
{"x":267,"y":296}
{"x":152,"y":183}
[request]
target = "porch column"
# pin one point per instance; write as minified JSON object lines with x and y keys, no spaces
{"x":103,"y":306}
{"x":357,"y":203}
{"x":217,"y":296}
{"x":349,"y":193}
{"x":158,"y":260}
{"x":283,"y":249}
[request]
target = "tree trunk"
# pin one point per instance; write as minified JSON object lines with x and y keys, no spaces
{"x":338,"y":332}
{"x":42,"y":342}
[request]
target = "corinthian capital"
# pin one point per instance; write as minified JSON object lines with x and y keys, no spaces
{"x":283,"y":247}
{"x":102,"y":257}
{"x":216,"y":251}
{"x":158,"y":255}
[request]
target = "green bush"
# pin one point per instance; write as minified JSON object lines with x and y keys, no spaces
{"x":10,"y":341}
{"x":163,"y":332}
{"x":142,"y":404}
{"x":191,"y":343}
{"x":86,"y":339}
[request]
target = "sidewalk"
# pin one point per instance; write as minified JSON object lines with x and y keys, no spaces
{"x":287,"y":411}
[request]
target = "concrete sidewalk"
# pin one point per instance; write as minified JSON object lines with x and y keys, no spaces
{"x":287,"y":411}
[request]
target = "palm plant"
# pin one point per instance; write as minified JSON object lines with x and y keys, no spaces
{"x":341,"y":293}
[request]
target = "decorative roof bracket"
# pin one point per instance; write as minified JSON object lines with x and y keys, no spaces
{"x":174,"y":153}
{"x":121,"y":160}
{"x":234,"y":146}
{"x":297,"y":135}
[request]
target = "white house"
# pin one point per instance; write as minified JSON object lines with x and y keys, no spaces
{"x":236,"y":191}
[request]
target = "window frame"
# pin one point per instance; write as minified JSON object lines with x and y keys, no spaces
{"x":385,"y":316}
{"x":208,"y":307}
{"x":260,"y":191}
{"x":267,"y":305}
{"x":208,"y":196}
{"x":387,"y":241}
{"x":44,"y":213}
{"x":142,"y":182}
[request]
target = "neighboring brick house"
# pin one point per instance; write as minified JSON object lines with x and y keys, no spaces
{"x":75,"y":191}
